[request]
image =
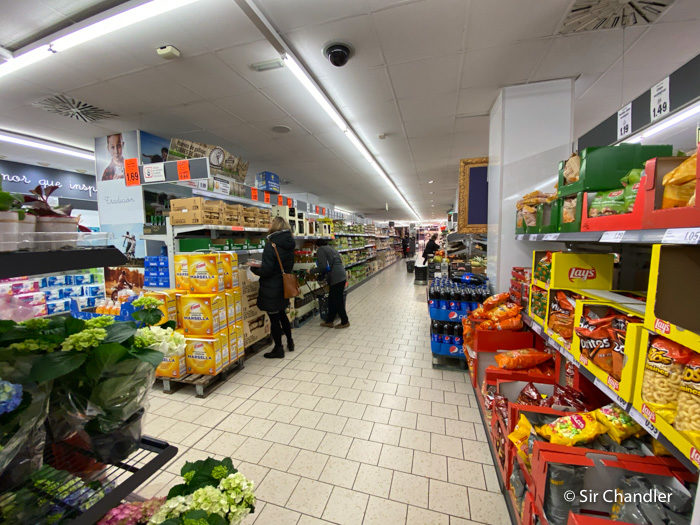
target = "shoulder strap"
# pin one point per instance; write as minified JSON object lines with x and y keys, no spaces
{"x":274,"y":247}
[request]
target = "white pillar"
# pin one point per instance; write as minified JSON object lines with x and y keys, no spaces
{"x":531,"y":130}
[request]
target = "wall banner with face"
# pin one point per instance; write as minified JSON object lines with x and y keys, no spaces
{"x":117,"y":203}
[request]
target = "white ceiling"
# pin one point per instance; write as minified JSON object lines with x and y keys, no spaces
{"x":425,"y":73}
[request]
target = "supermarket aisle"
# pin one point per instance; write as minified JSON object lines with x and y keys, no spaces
{"x":354,"y":427}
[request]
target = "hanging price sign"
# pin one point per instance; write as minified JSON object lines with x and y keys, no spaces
{"x":659,"y":104}
{"x":290,"y":204}
{"x":280,"y":200}
{"x":131,"y":172}
{"x":183,"y":170}
{"x":266,"y":197}
{"x":624,"y":121}
{"x":254,"y":193}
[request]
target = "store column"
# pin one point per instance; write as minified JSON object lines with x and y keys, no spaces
{"x":530,"y":131}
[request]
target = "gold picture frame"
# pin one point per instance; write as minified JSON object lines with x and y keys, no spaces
{"x":465,"y":165}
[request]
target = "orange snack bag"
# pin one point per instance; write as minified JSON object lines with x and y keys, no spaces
{"x":495,"y":300}
{"x":520,"y":359}
{"x":512,"y":323}
{"x":504,"y":311}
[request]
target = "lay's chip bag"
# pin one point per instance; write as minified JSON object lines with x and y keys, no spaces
{"x":205,"y":273}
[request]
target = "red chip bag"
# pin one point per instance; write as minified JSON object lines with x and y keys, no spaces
{"x":529,"y":395}
{"x":597,"y":345}
{"x":520,"y":359}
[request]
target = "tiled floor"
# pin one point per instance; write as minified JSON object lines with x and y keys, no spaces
{"x":355,"y":426}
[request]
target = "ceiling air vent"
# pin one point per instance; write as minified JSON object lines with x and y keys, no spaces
{"x":69,"y":107}
{"x":594,"y":15}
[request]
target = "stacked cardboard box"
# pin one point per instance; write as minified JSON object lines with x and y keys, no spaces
{"x":256,"y":325}
{"x":196,"y":210}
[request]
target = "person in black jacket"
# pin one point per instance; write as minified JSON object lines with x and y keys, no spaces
{"x":430,"y":248}
{"x":271,"y":293}
{"x":404,"y":245}
{"x":330,"y":265}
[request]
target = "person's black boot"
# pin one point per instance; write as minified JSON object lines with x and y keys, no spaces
{"x":277,"y":353}
{"x":290,"y":345}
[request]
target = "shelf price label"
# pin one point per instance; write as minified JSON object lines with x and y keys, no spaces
{"x":624,"y":121}
{"x":154,"y":172}
{"x":659,"y":104}
{"x":131,"y":172}
{"x":254,"y":193}
{"x":266,"y":197}
{"x":550,"y":237}
{"x":681,"y":236}
{"x":290,"y":203}
{"x":183,"y":170}
{"x":280,"y":200}
{"x":519,"y":237}
{"x":615,"y":236}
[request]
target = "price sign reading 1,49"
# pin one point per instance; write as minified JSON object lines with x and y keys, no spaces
{"x":659,"y":104}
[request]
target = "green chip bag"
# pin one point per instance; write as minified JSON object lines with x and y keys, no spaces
{"x":610,"y":202}
{"x":631,"y":183}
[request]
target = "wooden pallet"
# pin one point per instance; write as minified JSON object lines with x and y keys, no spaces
{"x":201,"y":382}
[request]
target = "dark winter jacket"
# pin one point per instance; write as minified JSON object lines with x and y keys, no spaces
{"x":271,"y":293}
{"x":329,"y":265}
{"x":430,"y":248}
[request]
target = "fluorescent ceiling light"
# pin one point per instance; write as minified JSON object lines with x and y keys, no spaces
{"x":302,"y":76}
{"x":311,"y":87}
{"x":666,"y":123}
{"x":341,"y":210}
{"x":430,"y":181}
{"x":92,"y":31}
{"x":45,"y":146}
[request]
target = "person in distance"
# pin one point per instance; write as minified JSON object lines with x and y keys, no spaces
{"x":280,"y":242}
{"x":430,"y":248}
{"x":330,"y":265}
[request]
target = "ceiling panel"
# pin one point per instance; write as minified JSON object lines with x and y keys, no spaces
{"x":203,"y":115}
{"x":421,"y":29}
{"x":429,"y":127}
{"x":251,"y":107}
{"x":516,"y":21}
{"x":476,"y":101}
{"x":242,"y":56}
{"x":421,"y":108}
{"x":432,"y":76}
{"x":301,"y":13}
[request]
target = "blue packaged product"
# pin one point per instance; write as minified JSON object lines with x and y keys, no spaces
{"x":56,"y":307}
{"x":92,"y":290}
{"x":55,"y":280}
{"x":73,"y":291}
{"x":162,"y":262}
{"x":83,"y":278}
{"x":53,"y":294}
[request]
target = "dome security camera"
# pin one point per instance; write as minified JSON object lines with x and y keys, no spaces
{"x":338,"y":54}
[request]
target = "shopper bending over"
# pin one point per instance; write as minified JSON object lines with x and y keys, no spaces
{"x":271,"y":294}
{"x":330,"y":265}
{"x":430,"y":248}
{"x":404,"y":245}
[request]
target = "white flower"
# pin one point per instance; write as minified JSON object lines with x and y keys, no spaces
{"x":165,"y":340}
{"x":172,"y":508}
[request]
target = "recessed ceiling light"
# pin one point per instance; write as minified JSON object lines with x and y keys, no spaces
{"x":43,"y":163}
{"x":81,"y":171}
{"x":267,"y":65}
{"x":431,"y":181}
{"x":432,"y":193}
{"x":432,"y":205}
{"x":281,"y":129}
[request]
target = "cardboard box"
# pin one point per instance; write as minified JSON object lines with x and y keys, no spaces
{"x":172,"y":366}
{"x":246,"y":284}
{"x":180,"y":218}
{"x":225,"y":348}
{"x":203,"y":355}
{"x":267,"y":181}
{"x":181,"y":270}
{"x":169,"y":306}
{"x":256,"y":329}
{"x":206,"y":273}
{"x":201,"y":313}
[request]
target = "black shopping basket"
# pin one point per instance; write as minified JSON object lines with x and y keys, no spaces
{"x":320,"y":294}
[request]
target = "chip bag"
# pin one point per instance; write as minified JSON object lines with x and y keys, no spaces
{"x":520,"y":436}
{"x":611,"y":202}
{"x":688,"y":416}
{"x":663,"y":375}
{"x":572,"y":429}
{"x":679,"y":184}
{"x":504,"y":311}
{"x":512,"y":323}
{"x":568,"y":214}
{"x":543,"y":268}
{"x":618,"y":422}
{"x":572,"y":169}
{"x":495,"y":300}
{"x":521,"y":359}
{"x":566,"y":396}
{"x":631,"y":183}
{"x":561,"y":317}
{"x":529,"y":395}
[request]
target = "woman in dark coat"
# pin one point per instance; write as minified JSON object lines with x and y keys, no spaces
{"x":271,"y":293}
{"x":430,"y":248}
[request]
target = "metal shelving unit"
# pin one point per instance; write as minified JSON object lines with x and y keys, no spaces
{"x":663,"y":236}
{"x":16,"y":264}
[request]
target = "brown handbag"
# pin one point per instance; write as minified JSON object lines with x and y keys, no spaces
{"x":289,"y":280}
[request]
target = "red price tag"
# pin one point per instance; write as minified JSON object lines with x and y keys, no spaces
{"x":266,"y":197}
{"x":183,"y":170}
{"x":323,"y":211}
{"x":289,"y":202}
{"x":237,"y":228}
{"x":254,"y":193}
{"x":131,"y":172}
{"x":317,"y":210}
{"x":280,"y":200}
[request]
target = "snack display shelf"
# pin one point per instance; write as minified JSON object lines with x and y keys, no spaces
{"x":662,"y":236}
{"x":352,"y":249}
{"x":311,"y":237}
{"x":230,"y":198}
{"x":358,"y":262}
{"x":342,"y":234}
{"x":624,"y":404}
{"x":19,"y":263}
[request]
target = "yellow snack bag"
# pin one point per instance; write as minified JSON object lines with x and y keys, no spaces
{"x":182,"y":272}
{"x":688,"y":415}
{"x":619,"y":423}
{"x":205,"y":273}
{"x":520,"y":436}
{"x":203,"y":355}
{"x":201,"y":314}
{"x":658,"y":449}
{"x":581,"y":427}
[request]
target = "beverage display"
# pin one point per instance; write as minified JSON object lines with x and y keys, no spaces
{"x":462,"y":296}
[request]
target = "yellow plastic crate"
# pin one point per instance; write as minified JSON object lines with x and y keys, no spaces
{"x":674,"y":285}
{"x":659,"y":423}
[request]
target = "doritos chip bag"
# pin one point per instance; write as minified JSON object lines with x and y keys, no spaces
{"x":570,"y":430}
{"x":618,"y":422}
